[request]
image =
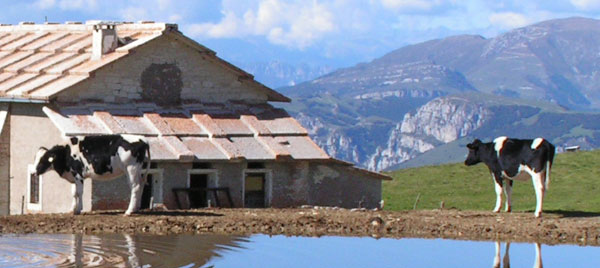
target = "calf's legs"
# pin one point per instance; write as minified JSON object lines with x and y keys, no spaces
{"x":137,"y":187}
{"x":498,"y":188}
{"x":508,"y":193}
{"x":538,"y":180}
{"x":77,"y":190}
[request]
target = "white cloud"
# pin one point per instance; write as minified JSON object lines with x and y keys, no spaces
{"x":77,"y":4}
{"x":296,"y":24}
{"x":508,"y":20}
{"x":586,"y":4}
{"x":45,"y":4}
{"x":410,"y":4}
{"x":134,"y":14}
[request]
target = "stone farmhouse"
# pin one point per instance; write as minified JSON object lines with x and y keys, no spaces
{"x":215,"y":139}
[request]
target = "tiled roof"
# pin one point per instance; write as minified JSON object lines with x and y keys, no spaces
{"x":198,"y":131}
{"x":39,"y":60}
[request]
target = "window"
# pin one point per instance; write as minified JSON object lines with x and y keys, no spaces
{"x":34,"y":189}
{"x":201,"y":177}
{"x":257,"y":188}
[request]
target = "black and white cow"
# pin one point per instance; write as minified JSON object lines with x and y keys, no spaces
{"x":515,"y":159}
{"x":101,"y":157}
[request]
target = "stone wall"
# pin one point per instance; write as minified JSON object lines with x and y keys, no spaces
{"x":342,"y":186}
{"x":165,"y":71}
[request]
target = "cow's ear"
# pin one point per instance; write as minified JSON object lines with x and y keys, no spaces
{"x":474,"y":145}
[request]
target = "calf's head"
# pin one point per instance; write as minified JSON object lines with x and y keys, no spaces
{"x":45,"y":159}
{"x":474,"y":156}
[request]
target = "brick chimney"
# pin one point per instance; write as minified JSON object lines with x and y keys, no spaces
{"x":104,"y":38}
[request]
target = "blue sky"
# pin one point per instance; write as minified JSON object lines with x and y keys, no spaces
{"x":336,"y":33}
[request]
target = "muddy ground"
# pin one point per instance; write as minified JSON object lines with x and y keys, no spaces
{"x":553,"y":228}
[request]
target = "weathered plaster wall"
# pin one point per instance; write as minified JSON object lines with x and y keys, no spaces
{"x":174,"y":175}
{"x":293,"y":184}
{"x":230,"y":175}
{"x":164,"y":66}
{"x":5,"y":168}
{"x":290,"y":184}
{"x":337,"y":185}
{"x":29,"y":130}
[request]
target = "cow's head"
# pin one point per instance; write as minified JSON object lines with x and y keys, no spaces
{"x":44,"y":159}
{"x":474,"y":156}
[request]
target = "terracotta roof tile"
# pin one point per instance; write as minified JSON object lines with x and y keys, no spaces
{"x":26,"y":40}
{"x":14,"y":57}
{"x":183,"y":125}
{"x":68,"y":63}
{"x":134,"y":125}
{"x":55,"y":86}
{"x":159,"y":150}
{"x":204,"y":149}
{"x":16,"y":81}
{"x":179,"y":136}
{"x":66,"y":40}
{"x":49,"y":38}
{"x":34,"y":82}
{"x":48,"y":62}
{"x":26,"y":62}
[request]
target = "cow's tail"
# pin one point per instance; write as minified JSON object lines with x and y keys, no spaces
{"x":550,"y":155}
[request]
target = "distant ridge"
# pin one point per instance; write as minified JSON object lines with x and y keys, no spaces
{"x":538,"y":73}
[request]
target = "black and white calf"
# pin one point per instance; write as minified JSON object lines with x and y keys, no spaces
{"x":515,"y":159}
{"x":102,"y":157}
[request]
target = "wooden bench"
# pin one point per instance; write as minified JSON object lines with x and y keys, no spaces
{"x":213,"y":190}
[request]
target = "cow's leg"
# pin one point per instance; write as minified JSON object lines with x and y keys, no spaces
{"x":508,"y":193}
{"x":506,"y":259}
{"x":497,"y":256}
{"x":498,"y":187}
{"x":538,"y":186}
{"x":77,"y":190}
{"x":538,"y":256}
{"x":137,"y":187}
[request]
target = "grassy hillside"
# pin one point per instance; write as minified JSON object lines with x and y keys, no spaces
{"x":574,"y":187}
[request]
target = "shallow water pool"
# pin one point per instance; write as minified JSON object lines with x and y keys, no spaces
{"x":59,"y":250}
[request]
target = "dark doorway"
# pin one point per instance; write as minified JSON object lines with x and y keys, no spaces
{"x":147,"y":193}
{"x":198,"y":198}
{"x":254,"y":190}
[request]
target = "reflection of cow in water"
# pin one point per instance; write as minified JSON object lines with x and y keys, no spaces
{"x":102,"y":157}
{"x":506,"y":259}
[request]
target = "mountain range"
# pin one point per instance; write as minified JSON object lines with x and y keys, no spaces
{"x":420,"y":104}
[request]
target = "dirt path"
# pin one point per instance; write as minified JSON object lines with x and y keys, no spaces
{"x":553,"y":228}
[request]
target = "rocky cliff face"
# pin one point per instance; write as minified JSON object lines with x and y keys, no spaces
{"x":444,"y":119}
{"x":441,"y":120}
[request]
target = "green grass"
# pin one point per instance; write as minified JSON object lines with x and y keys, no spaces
{"x":574,"y":187}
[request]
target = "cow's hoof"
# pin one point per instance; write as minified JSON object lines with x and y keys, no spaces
{"x":508,"y":209}
{"x":496,"y":211}
{"x":129,"y":213}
